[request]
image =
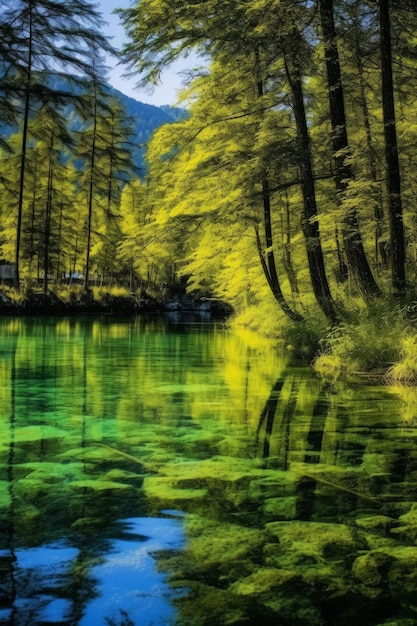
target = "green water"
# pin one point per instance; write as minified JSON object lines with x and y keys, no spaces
{"x":157,"y":473}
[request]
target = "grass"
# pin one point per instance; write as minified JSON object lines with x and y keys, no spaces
{"x":379,"y":340}
{"x":405,"y":370}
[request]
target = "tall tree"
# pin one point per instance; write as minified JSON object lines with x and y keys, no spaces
{"x":391,"y":152}
{"x":54,"y":143}
{"x":103,"y":145}
{"x":269,"y":265}
{"x":310,"y":215}
{"x":355,"y":253}
{"x":159,"y":33}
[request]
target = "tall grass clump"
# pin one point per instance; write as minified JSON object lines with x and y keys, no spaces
{"x":405,"y":370}
{"x":303,"y":339}
{"x":371,"y":342}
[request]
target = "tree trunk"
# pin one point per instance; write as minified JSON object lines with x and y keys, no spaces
{"x":391,"y":153}
{"x":269,"y":266}
{"x":90,"y":194}
{"x":47,"y":226}
{"x":58,"y":261}
{"x":23,"y":153}
{"x":309,"y":223}
{"x":372,"y":159}
{"x":355,"y":254}
{"x":286,"y":245}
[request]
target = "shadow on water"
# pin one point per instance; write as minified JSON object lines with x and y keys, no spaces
{"x":160,"y":473}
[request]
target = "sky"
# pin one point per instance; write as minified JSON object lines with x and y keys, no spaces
{"x":171,"y":81}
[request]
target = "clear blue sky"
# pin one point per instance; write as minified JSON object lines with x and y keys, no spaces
{"x":171,"y":80}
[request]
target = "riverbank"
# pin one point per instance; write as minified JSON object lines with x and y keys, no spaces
{"x":114,"y":302}
{"x":83,"y":303}
{"x":377,"y":343}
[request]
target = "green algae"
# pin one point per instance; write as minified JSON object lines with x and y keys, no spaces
{"x":37,"y":433}
{"x":4,"y":494}
{"x":264,"y":581}
{"x":168,"y":492}
{"x":99,"y":485}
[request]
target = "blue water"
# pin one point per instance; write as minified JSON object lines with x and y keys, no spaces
{"x":127,"y":585}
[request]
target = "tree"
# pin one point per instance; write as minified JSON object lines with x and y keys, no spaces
{"x":395,"y":210}
{"x":355,"y":253}
{"x":269,"y":265}
{"x":52,"y":151}
{"x":103,"y":144}
{"x":310,"y":216}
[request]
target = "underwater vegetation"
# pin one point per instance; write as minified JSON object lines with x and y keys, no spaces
{"x":295,"y":498}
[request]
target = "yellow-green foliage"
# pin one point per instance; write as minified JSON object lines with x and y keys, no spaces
{"x":405,"y":370}
{"x":112,"y":292}
{"x":374,"y":339}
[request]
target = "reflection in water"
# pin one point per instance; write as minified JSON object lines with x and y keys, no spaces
{"x":126,"y":578}
{"x":160,"y":472}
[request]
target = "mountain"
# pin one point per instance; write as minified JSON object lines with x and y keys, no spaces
{"x":146,"y":119}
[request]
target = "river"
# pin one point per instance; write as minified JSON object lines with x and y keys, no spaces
{"x":171,"y":471}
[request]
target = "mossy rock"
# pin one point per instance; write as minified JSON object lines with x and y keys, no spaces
{"x":410,"y":517}
{"x":168,"y":492}
{"x":272,"y":553}
{"x":309,"y":542}
{"x":222,"y":544}
{"x":29,"y":517}
{"x":119,"y":474}
{"x":31,"y":489}
{"x":396,"y":508}
{"x":281,"y":508}
{"x":277,"y":484}
{"x":207,"y":605}
{"x":220,"y":468}
{"x":86,"y":523}
{"x":372,"y":568}
{"x":402,"y":575}
{"x":379,"y":524}
{"x":53,"y":472}
{"x":37,"y":433}
{"x":295,"y":609}
{"x":406,"y":534}
{"x":5,"y":497}
{"x":263,"y":581}
{"x":99,"y":485}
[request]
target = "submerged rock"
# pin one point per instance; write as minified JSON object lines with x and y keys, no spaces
{"x":372,"y":568}
{"x":265,"y":580}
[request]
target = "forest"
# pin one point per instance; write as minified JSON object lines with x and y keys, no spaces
{"x":287,"y":190}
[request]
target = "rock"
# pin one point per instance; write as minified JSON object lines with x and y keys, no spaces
{"x":372,"y":568}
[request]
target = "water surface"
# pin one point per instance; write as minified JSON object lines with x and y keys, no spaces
{"x":155,"y":472}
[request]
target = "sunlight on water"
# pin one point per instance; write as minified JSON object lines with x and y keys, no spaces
{"x":172,"y":472}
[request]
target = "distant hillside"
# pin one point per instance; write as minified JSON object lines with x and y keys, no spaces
{"x":146,"y":119}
